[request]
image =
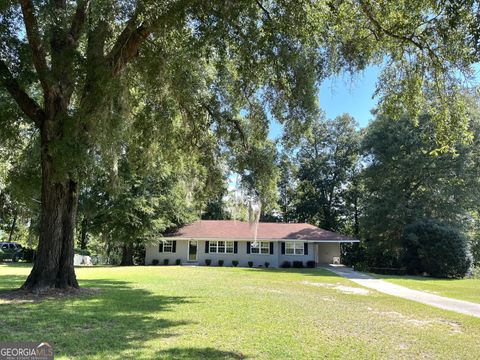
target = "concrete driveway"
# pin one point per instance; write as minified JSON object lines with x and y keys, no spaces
{"x":460,"y":306}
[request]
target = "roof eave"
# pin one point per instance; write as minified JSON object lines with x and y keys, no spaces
{"x":259,"y":239}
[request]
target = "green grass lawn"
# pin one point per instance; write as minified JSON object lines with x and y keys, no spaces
{"x":232,"y":313}
{"x":464,"y":289}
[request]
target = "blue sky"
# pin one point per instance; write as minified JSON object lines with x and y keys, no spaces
{"x":343,"y":94}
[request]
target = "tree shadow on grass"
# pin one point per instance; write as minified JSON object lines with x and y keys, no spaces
{"x":11,"y":281}
{"x":116,"y":319}
{"x":199,"y":353}
{"x":304,"y":271}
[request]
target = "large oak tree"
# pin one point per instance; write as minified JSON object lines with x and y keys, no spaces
{"x":60,"y":61}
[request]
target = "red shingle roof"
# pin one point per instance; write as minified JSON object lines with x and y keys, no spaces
{"x":239,"y":230}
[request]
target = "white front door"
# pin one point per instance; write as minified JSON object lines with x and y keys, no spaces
{"x":192,"y":250}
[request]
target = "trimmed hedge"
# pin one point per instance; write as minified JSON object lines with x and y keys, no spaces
{"x":286,"y":264}
{"x":298,"y":264}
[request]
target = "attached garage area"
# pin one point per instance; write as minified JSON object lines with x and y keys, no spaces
{"x":327,"y":253}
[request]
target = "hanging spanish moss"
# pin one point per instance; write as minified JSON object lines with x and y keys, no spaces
{"x":254,"y":211}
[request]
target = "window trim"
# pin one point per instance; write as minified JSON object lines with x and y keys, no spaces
{"x":168,"y":243}
{"x":297,"y":247}
{"x":213,"y":247}
{"x":259,"y":247}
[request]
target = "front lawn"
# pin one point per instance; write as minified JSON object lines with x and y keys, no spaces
{"x":232,"y":313}
{"x":463,"y":289}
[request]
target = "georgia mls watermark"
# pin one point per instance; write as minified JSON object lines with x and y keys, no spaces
{"x":26,"y":351}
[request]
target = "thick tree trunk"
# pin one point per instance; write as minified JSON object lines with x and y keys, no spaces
{"x":127,"y":255}
{"x":53,"y":267}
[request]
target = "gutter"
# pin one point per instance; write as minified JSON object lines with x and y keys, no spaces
{"x":259,"y":239}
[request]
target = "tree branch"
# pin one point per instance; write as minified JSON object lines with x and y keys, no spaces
{"x":128,"y":42}
{"x":35,"y":42}
{"x":79,"y":19}
{"x":96,"y":66}
{"x":25,"y":102}
{"x":265,"y":11}
{"x":235,"y":122}
{"x":410,"y":39}
{"x":127,"y":45}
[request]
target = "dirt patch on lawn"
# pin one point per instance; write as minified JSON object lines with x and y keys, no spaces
{"x":454,"y":327}
{"x":19,"y":296}
{"x":342,"y":288}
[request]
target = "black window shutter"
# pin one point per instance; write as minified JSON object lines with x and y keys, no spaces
{"x":235,"y":247}
{"x":248,"y":247}
{"x":174,"y":246}
{"x":160,"y":247}
{"x":207,"y":244}
{"x":283,"y":248}
{"x":271,"y":247}
{"x":305,"y":248}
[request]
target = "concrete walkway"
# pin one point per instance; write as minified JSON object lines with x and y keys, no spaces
{"x":460,"y":306}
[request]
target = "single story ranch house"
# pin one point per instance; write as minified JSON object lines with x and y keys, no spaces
{"x":231,"y":240}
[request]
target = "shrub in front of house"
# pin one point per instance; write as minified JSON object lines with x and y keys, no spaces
{"x":155,"y":262}
{"x":250,"y":264}
{"x":435,"y":248}
{"x":267,"y":264}
{"x":286,"y":264}
{"x":208,"y":262}
{"x":310,"y":264}
{"x":298,"y":264}
{"x":165,"y":261}
{"x":235,"y":263}
{"x":178,"y":261}
{"x":220,"y":262}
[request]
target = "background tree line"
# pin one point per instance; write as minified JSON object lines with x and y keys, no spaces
{"x":412,"y":205}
